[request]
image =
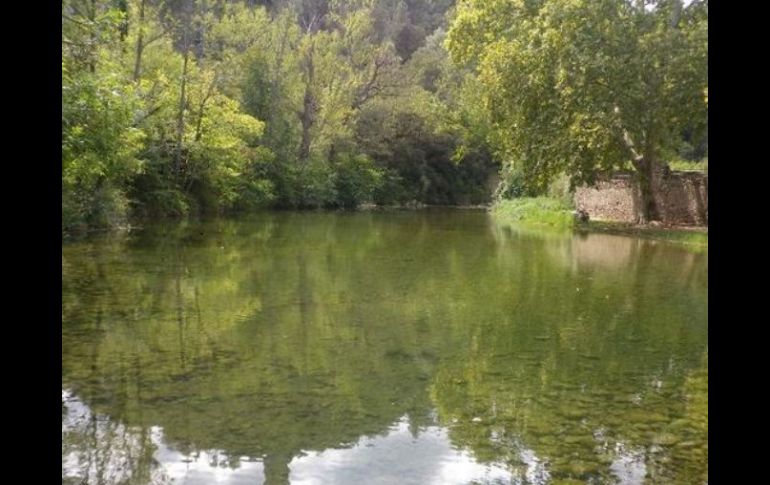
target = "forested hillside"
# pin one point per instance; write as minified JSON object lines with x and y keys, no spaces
{"x":179,"y":106}
{"x":185,"y":107}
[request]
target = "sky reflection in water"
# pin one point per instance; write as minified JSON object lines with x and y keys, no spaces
{"x":420,"y":347}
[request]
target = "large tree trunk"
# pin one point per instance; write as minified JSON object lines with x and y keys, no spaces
{"x":647,"y":210}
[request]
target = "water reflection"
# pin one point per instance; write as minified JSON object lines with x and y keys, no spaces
{"x":628,"y":466}
{"x":96,"y":449}
{"x":400,"y":347}
{"x":399,"y":455}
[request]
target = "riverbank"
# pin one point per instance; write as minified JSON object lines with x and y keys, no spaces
{"x":544,"y":213}
{"x":417,"y":206}
{"x":695,"y":237}
{"x":539,"y":211}
{"x":553,"y":213}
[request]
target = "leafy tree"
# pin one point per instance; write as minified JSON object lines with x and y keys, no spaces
{"x":174,"y":107}
{"x":584,"y":86}
{"x":100,"y":142}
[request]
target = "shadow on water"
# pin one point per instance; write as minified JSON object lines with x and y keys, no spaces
{"x":314,"y":347}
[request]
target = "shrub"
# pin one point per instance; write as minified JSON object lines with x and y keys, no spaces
{"x":561,"y":190}
{"x":513,"y":185}
{"x":314,"y":185}
{"x":356,"y":180}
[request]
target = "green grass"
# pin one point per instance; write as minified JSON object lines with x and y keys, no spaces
{"x":685,"y":166}
{"x":539,"y":211}
{"x":549,"y":213}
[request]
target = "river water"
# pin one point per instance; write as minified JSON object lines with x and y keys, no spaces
{"x":414,"y":347}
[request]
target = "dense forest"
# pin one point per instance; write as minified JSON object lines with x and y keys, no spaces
{"x":177,"y":107}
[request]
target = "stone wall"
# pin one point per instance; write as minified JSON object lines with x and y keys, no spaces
{"x":681,"y":198}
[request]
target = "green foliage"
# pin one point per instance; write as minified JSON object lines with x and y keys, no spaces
{"x":580,"y":86}
{"x":279,"y":108}
{"x":100,"y":148}
{"x":315,"y":182}
{"x":391,"y":190}
{"x":689,"y":166}
{"x":148,"y":116}
{"x":419,"y":156}
{"x":176,"y":108}
{"x":357,"y":180}
{"x":513,"y":186}
{"x":561,"y":189}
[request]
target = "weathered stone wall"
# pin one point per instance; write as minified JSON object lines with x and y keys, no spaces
{"x":611,"y":199}
{"x":681,"y":198}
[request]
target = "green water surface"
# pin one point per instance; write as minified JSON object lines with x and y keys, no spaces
{"x":423,"y":347}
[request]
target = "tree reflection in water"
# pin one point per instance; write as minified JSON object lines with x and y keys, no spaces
{"x":280,"y":339}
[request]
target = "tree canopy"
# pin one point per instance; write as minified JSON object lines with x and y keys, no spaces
{"x":583,"y":86}
{"x":172,"y":107}
{"x":182,"y":106}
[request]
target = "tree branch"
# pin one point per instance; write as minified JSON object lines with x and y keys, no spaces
{"x":149,"y":113}
{"x":80,"y":23}
{"x":371,"y":89}
{"x":629,"y":142}
{"x":159,"y":36}
{"x":202,"y":106}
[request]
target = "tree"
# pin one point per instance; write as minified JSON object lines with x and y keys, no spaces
{"x":581,"y":86}
{"x":175,"y":107}
{"x":100,"y":144}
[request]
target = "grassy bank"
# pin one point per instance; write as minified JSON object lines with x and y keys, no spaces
{"x":695,"y":238}
{"x":538,"y":211}
{"x":546,"y":212}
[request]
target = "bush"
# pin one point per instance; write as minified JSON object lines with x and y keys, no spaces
{"x":356,"y":180}
{"x":109,"y":208}
{"x":391,"y":190}
{"x":162,"y":202}
{"x":255,"y":193}
{"x":100,"y":149}
{"x":100,"y":207}
{"x":513,"y":185}
{"x":72,"y":214}
{"x":561,"y":190}
{"x":315,"y":185}
{"x":154,"y":193}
